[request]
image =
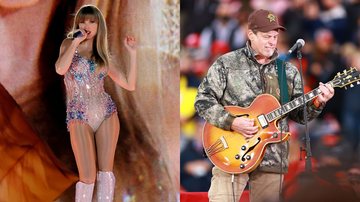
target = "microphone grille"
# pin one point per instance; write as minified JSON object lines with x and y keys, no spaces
{"x":301,"y":41}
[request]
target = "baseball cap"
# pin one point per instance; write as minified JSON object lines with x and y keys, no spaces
{"x":264,"y":21}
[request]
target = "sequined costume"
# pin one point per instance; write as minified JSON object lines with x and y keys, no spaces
{"x":86,"y":98}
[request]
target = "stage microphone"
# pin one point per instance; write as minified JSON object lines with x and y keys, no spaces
{"x":298,"y":45}
{"x":77,"y":34}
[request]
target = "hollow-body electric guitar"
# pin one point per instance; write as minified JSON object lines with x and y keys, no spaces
{"x":233,"y":153}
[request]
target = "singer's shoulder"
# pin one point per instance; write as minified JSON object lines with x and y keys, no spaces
{"x":232,"y":55}
{"x":66,"y":43}
{"x":291,"y":68}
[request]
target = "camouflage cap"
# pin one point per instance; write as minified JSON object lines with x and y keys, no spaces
{"x":264,"y":21}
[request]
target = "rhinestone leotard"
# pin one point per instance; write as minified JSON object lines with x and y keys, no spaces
{"x":86,"y":98}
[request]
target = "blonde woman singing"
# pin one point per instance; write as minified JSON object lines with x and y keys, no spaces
{"x":91,"y":113}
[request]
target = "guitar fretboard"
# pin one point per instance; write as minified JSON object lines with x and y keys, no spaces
{"x":341,"y":80}
{"x":288,"y":107}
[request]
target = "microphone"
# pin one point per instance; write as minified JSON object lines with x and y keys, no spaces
{"x":77,"y":34}
{"x":298,"y":45}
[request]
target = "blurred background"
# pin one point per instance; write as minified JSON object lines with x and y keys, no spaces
{"x":331,"y":30}
{"x":37,"y":163}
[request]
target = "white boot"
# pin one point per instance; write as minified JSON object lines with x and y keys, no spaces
{"x":84,"y":192}
{"x":105,"y":186}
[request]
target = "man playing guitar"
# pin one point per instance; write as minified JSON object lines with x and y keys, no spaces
{"x":236,"y":79}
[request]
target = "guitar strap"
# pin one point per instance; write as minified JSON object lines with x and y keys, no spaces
{"x":284,"y":98}
{"x":284,"y":93}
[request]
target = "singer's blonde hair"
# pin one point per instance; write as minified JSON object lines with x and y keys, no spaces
{"x":101,"y":47}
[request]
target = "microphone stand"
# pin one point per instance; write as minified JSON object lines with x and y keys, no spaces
{"x":305,"y":178}
{"x":308,"y":163}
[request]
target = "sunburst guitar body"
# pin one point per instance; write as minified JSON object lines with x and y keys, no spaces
{"x":231,"y":151}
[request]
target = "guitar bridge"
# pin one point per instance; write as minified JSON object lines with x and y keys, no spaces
{"x":218,"y":146}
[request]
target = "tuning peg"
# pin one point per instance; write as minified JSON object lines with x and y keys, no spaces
{"x":351,"y":85}
{"x":345,"y":88}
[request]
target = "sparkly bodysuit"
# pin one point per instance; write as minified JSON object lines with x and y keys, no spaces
{"x":86,"y":98}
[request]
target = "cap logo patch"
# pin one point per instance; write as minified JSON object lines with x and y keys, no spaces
{"x":271,"y":17}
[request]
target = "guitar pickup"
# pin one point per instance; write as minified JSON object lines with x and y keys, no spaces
{"x":262,"y":121}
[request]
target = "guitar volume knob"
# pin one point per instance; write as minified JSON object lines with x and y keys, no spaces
{"x":243,"y":147}
{"x":248,"y":157}
{"x":242,"y":166}
{"x":237,"y":156}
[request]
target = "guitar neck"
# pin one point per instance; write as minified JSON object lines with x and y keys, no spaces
{"x":347,"y":77}
{"x":297,"y":102}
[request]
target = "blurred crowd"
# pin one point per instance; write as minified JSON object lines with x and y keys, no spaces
{"x":331,"y":30}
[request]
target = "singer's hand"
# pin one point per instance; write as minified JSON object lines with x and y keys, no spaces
{"x":244,"y":126}
{"x":327,"y":92}
{"x":80,"y":37}
{"x":130,"y":44}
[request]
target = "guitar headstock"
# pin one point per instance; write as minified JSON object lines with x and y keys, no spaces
{"x":347,"y":77}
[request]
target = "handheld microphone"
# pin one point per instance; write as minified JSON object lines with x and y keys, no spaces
{"x":77,"y":34}
{"x":298,"y":45}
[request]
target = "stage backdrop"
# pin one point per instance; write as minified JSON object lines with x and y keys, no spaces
{"x":147,"y":157}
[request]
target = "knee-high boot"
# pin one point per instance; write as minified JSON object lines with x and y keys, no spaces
{"x":105,"y":186}
{"x":84,"y":192}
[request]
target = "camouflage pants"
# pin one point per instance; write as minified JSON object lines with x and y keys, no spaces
{"x":264,"y":187}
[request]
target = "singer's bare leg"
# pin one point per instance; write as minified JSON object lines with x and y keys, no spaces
{"x":82,"y":142}
{"x":106,"y":139}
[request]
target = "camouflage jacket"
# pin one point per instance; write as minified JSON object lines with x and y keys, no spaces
{"x":236,"y":78}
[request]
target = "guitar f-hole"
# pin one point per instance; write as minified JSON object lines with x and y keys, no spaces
{"x":244,"y":157}
{"x":241,"y":115}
